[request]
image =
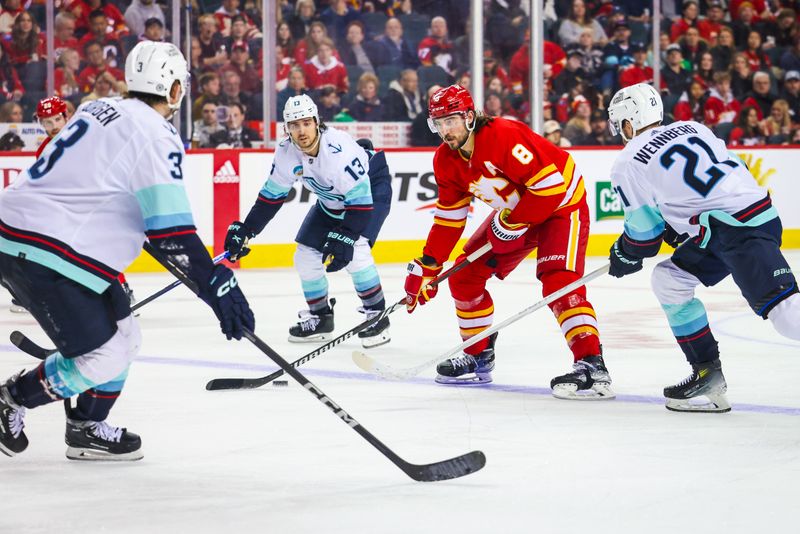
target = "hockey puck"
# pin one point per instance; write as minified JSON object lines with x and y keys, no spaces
{"x":280,"y":383}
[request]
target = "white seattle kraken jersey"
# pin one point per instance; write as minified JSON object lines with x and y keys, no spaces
{"x":674,"y":172}
{"x":339,"y":174}
{"x":113,"y":173}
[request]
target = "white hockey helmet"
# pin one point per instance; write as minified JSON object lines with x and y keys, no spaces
{"x":300,"y":107}
{"x":152,"y":67}
{"x":638,"y":104}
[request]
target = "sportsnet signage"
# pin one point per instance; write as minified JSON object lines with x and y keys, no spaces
{"x":607,"y":202}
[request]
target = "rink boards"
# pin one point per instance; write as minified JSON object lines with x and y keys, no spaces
{"x":223,"y":184}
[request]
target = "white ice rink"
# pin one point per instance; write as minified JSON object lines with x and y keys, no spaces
{"x":275,"y":460}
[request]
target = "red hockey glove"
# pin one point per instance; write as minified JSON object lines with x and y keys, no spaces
{"x":504,"y":236}
{"x":417,"y":288}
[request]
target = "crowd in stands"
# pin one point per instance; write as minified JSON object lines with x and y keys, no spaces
{"x":733,"y":65}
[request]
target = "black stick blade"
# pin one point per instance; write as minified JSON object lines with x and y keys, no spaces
{"x":453,"y":468}
{"x":234,"y":383}
{"x":24,"y":344}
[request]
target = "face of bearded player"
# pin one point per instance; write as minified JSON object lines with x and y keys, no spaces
{"x":303,"y":132}
{"x":53,"y":125}
{"x":453,"y":128}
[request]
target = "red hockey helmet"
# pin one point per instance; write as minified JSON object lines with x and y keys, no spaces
{"x":50,"y":107}
{"x":450,"y":100}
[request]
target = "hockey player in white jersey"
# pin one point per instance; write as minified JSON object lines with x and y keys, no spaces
{"x":679,"y":183}
{"x":337,"y":230}
{"x":110,"y":179}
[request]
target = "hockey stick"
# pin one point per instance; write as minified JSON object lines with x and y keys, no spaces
{"x":386,"y":371}
{"x":444,"y":470}
{"x":23,"y":343}
{"x":251,"y":383}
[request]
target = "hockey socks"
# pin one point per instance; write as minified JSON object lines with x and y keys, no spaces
{"x":475,"y":316}
{"x":689,"y":324}
{"x":575,"y":315}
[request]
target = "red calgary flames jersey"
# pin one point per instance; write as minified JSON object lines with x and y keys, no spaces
{"x":511,"y":167}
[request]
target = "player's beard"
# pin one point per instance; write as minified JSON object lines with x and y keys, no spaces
{"x":454,"y":142}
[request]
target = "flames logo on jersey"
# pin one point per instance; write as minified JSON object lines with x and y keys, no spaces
{"x":497,"y":192}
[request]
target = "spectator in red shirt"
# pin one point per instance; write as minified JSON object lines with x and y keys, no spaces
{"x":721,"y":106}
{"x":64,"y":35}
{"x":687,"y":20}
{"x":240,"y":63}
{"x":10,"y":86}
{"x":710,"y":26}
{"x":436,"y":48}
{"x":25,"y":44}
{"x":105,"y":85}
{"x":748,"y":130}
{"x":639,"y":72}
{"x":307,"y":47}
{"x":82,"y":9}
{"x":98,"y":31}
{"x":554,"y":57}
{"x":213,"y":52}
{"x":756,"y":57}
{"x":325,"y":69}
{"x":691,"y":105}
{"x":758,"y":7}
{"x":66,"y":74}
{"x":225,"y":14}
{"x":97,"y":65}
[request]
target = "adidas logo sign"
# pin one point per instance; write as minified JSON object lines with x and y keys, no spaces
{"x":226,"y":174}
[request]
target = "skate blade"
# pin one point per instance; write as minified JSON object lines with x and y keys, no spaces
{"x":311,"y":339}
{"x":93,"y":455}
{"x":375,"y":341}
{"x":17,"y":309}
{"x":472,"y":380}
{"x":599,"y":391}
{"x":700,"y":404}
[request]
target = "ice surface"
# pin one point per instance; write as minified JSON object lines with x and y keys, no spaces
{"x":275,"y":460}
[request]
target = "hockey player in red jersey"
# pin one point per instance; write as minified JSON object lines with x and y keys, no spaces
{"x":540,"y":203}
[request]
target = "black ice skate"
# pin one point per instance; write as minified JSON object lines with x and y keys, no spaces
{"x":703,"y":391}
{"x":467,"y":369}
{"x":313,"y":327}
{"x":99,"y":441}
{"x":12,"y":422}
{"x":589,"y":380}
{"x":377,"y":334}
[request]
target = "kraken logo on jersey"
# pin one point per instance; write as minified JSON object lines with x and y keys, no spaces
{"x":321,"y":190}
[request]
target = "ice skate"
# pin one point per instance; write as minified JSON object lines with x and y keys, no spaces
{"x":467,"y":369}
{"x":377,"y":334}
{"x":703,"y":391}
{"x":589,"y":380}
{"x":99,"y":441}
{"x":312,"y":327}
{"x":12,"y":422}
{"x":16,"y":307}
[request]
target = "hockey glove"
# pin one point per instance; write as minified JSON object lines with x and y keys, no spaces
{"x":228,"y":302}
{"x":236,"y":240}
{"x":417,"y":288}
{"x":337,"y":251}
{"x":622,"y":263}
{"x":673,"y":238}
{"x":504,"y":236}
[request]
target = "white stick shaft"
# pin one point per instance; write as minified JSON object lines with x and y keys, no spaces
{"x":514,"y":318}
